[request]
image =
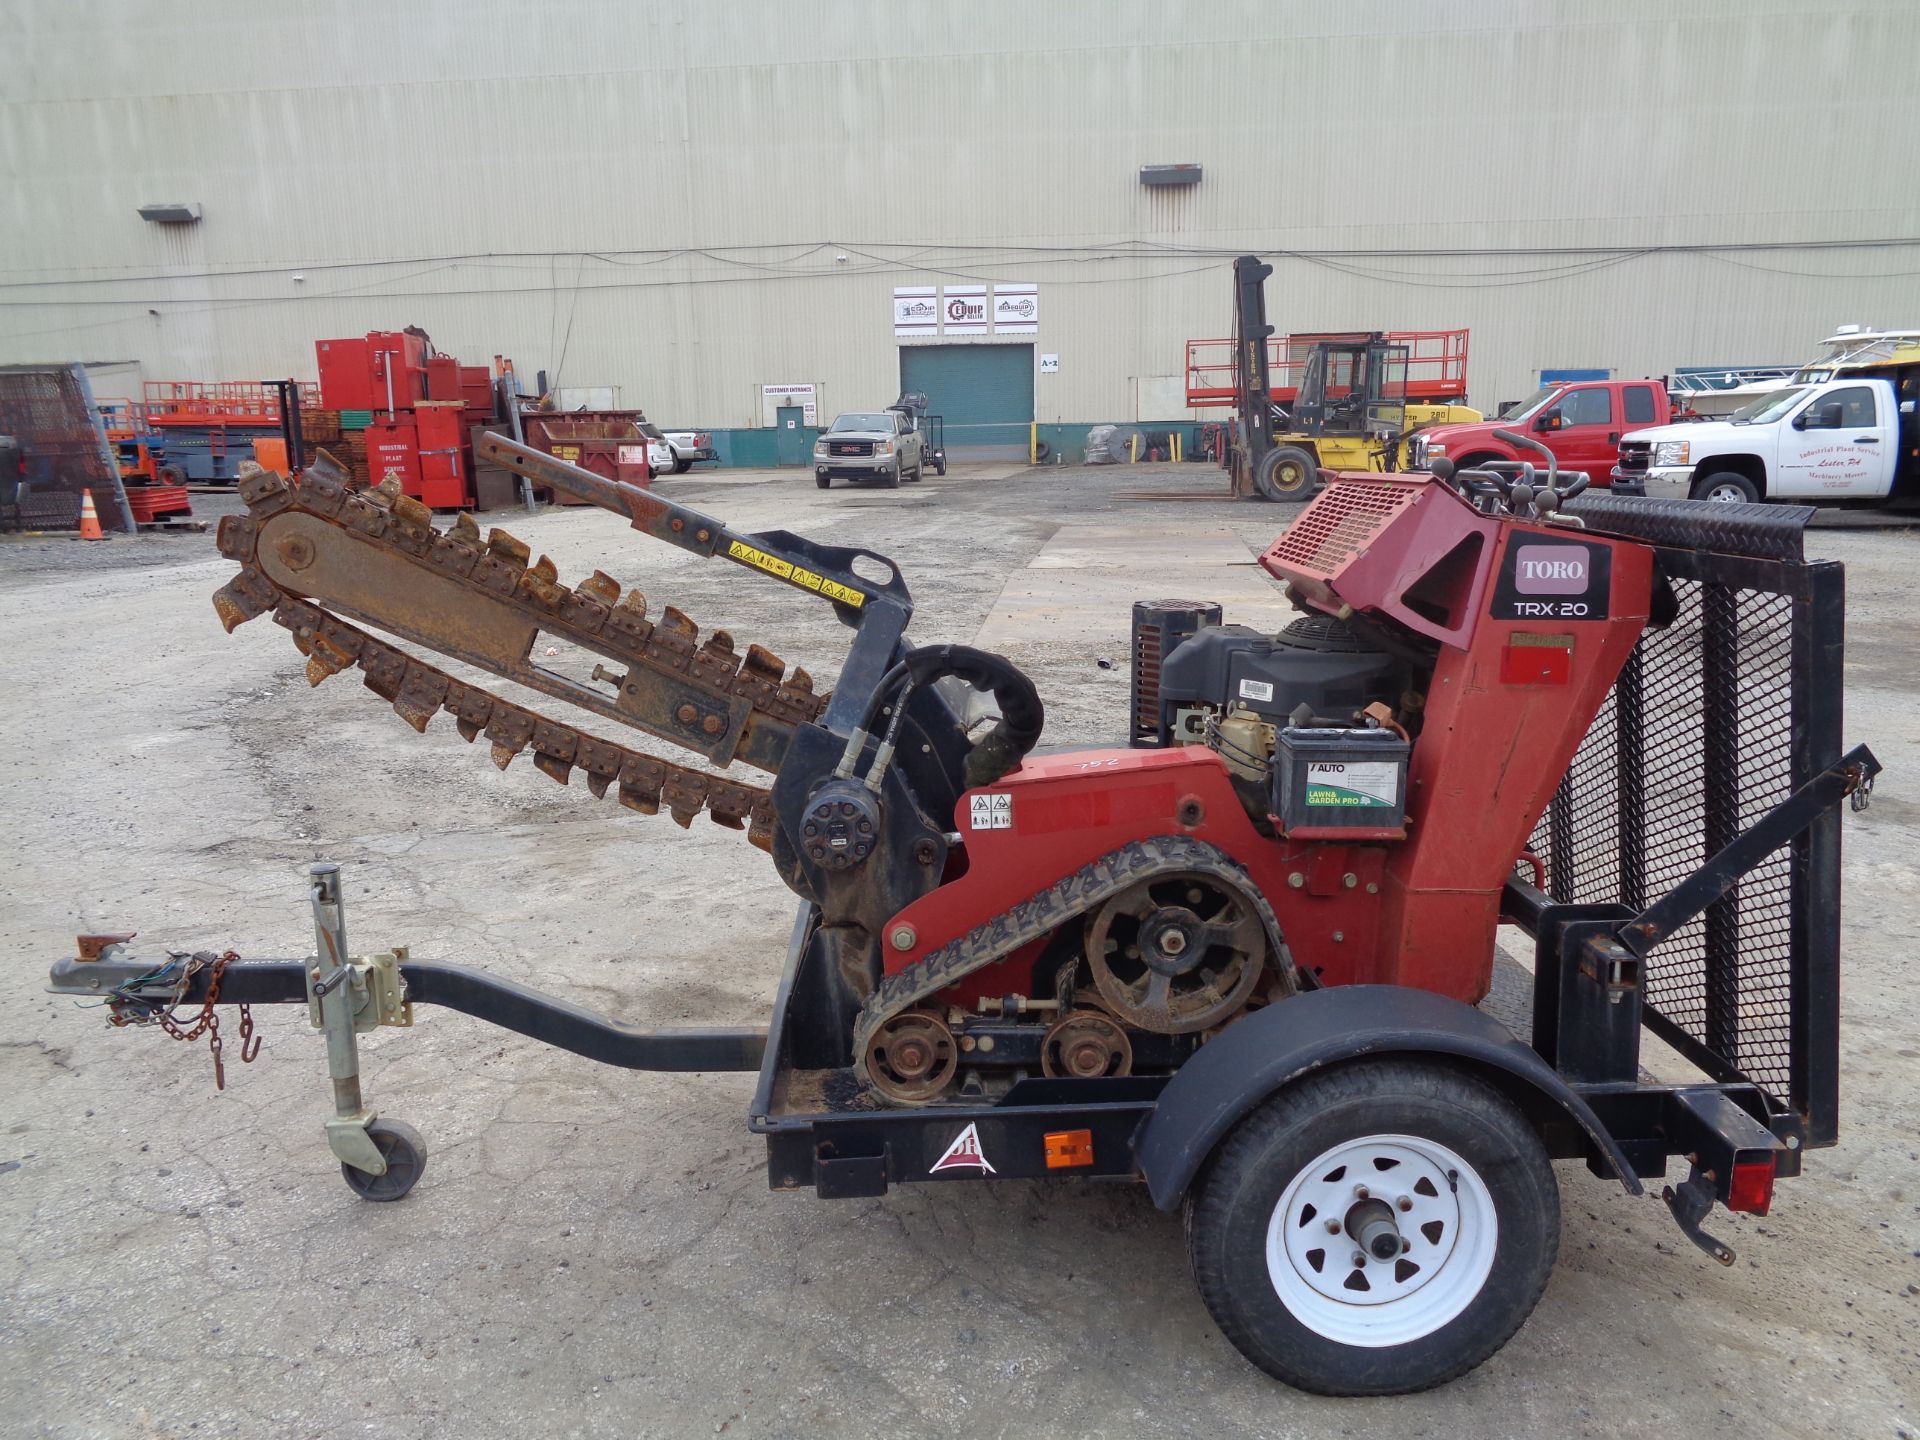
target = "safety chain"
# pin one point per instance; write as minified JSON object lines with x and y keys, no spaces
{"x":1039,"y":914}
{"x":207,"y":1022}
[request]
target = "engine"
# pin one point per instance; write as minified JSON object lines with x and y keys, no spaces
{"x":1311,"y":723}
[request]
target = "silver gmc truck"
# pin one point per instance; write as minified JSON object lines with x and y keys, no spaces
{"x":878,"y":445}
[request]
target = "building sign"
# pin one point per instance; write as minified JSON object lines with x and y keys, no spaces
{"x":963,"y":309}
{"x":772,"y":397}
{"x":1016,"y":309}
{"x":1049,"y":364}
{"x":916,"y":310}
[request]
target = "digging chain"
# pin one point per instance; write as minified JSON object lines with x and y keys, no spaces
{"x":594,"y":611}
{"x":1038,"y":915}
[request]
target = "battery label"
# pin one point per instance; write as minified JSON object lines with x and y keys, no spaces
{"x":991,"y":812}
{"x":1371,"y":784}
{"x":1256,"y":690}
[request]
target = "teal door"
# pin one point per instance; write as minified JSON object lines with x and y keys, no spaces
{"x":984,"y":392}
{"x":791,"y":438}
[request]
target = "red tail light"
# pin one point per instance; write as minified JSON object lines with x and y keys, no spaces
{"x":1751,"y":1192}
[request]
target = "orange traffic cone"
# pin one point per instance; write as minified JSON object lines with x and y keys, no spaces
{"x":89,"y":518}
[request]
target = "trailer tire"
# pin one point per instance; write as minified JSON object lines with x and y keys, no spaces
{"x":1726,"y":487}
{"x":940,"y":465}
{"x":1482,"y":1215}
{"x":1287,"y":474}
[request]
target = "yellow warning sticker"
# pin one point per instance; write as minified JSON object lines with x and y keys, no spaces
{"x":794,"y":574}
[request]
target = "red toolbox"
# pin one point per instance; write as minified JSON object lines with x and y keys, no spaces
{"x":438,"y":430}
{"x":393,"y":448}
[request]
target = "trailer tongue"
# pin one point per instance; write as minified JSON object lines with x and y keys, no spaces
{"x":1240,"y":961}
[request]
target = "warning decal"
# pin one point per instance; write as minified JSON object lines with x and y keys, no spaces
{"x":1256,"y":690}
{"x":964,"y":1154}
{"x":990,"y":812}
{"x":1371,"y":784}
{"x":794,"y":574}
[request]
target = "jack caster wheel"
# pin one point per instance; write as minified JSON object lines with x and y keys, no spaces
{"x":1375,"y":1229}
{"x":406,"y":1157}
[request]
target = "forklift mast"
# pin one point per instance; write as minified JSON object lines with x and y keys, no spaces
{"x":1252,"y":382}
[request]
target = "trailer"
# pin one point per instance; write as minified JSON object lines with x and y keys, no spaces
{"x":1237,"y":961}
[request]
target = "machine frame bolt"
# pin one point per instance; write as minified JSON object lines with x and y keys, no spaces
{"x":904,"y":937}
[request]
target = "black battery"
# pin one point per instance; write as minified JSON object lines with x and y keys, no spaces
{"x":1330,"y":782}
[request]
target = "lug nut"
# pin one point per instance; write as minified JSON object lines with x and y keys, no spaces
{"x":1405,"y":1202}
{"x":1360,"y":1192}
{"x":1333,"y":1227}
{"x":1359,"y":1259}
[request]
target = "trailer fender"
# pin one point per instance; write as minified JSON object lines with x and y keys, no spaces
{"x":1277,"y":1045}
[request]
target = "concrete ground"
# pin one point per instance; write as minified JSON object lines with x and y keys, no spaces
{"x":594,"y":1252}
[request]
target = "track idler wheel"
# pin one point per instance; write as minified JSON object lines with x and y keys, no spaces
{"x":1086,"y":1045}
{"x":913,"y":1058}
{"x":1176,"y":953}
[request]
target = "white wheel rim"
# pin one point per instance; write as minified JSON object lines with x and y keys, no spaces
{"x":1726,"y":495}
{"x":1447,"y":1226}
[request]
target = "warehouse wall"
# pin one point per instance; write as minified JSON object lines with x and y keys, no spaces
{"x":653,"y":196}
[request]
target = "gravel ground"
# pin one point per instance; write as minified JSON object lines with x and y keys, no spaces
{"x":595,"y":1252}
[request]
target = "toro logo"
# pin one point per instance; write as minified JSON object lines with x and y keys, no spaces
{"x":1550,"y":570}
{"x":1553,"y":580}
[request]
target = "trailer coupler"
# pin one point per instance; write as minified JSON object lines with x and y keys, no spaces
{"x":347,"y":995}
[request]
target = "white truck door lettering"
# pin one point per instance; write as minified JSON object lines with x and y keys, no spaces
{"x":1854,"y":458}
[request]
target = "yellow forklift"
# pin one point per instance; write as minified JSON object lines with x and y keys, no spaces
{"x":1350,"y":411}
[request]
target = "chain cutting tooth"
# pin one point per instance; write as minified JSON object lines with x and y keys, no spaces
{"x":600,"y":586}
{"x":508,"y":547}
{"x":676,"y":622}
{"x":242,"y":598}
{"x":385,"y":493}
{"x":601,"y":760}
{"x":411,"y":513}
{"x":464,"y":529}
{"x":633,"y":605}
{"x":764,"y":664}
{"x":800,"y":680}
{"x":421,"y":695}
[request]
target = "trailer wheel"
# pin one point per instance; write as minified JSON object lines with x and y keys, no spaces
{"x":406,"y":1156}
{"x":1376,"y":1229}
{"x":940,"y":465}
{"x":1286,"y":474}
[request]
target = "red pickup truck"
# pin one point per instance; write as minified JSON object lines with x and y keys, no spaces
{"x":1580,"y":421}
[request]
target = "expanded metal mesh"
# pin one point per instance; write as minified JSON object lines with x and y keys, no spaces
{"x":1694,"y":744}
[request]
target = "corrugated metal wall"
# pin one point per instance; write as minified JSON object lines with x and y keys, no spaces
{"x":654,"y":196}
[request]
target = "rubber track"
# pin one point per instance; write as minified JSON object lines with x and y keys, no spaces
{"x":1040,"y":914}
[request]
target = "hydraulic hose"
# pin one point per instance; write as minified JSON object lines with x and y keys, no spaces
{"x":1022,"y":716}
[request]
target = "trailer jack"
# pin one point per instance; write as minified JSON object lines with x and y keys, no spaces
{"x":347,"y":995}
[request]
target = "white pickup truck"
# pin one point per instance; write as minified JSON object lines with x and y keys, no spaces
{"x":1831,"y":433}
